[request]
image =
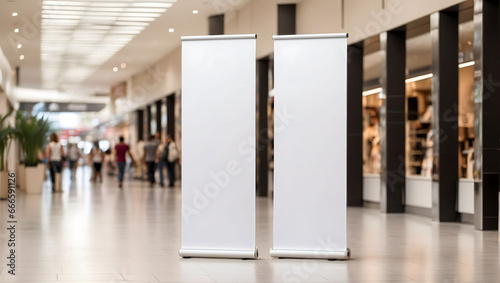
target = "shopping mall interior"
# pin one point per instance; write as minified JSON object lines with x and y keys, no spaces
{"x":422,"y":146}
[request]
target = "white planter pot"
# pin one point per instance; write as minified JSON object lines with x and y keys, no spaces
{"x":34,"y":179}
{"x":20,"y":177}
{"x":4,"y":185}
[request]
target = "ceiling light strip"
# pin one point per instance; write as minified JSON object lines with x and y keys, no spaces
{"x":419,"y":78}
{"x":372,"y":91}
{"x":467,"y":64}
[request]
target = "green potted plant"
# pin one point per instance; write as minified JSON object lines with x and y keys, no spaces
{"x":31,"y":133}
{"x":6,"y":135}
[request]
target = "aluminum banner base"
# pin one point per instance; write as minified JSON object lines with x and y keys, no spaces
{"x":312,"y":254}
{"x":246,"y":254}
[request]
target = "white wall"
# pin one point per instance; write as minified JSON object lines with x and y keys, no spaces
{"x":362,"y":19}
{"x":418,"y":191}
{"x":6,"y":81}
{"x":366,"y":18}
{"x":466,"y":196}
{"x":157,"y":81}
{"x":319,"y":16}
{"x":6,"y":98}
{"x":371,"y":187}
{"x":5,"y":74}
{"x":3,"y":103}
{"x":259,"y":17}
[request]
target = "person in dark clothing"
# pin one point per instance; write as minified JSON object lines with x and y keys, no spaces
{"x":167,"y":156}
{"x":122,"y":149}
{"x":149,"y":157}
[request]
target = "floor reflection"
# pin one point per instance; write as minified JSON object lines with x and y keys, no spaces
{"x":99,"y":232}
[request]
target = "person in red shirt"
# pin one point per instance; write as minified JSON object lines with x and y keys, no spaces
{"x":122,"y":149}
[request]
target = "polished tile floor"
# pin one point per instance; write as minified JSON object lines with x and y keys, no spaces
{"x":99,"y":233}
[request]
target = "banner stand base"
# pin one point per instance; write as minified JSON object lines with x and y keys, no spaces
{"x":317,"y":254}
{"x":240,"y":254}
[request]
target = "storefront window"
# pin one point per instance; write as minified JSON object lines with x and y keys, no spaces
{"x":153,"y":119}
{"x":371,"y":106}
{"x":418,"y":100}
{"x":418,"y":128}
{"x":371,"y":137}
{"x":163,"y":120}
{"x":466,"y":133}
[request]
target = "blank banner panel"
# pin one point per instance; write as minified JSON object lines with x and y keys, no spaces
{"x":218,"y":143}
{"x":310,"y":146}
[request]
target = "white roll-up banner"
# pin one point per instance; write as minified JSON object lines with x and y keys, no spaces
{"x":218,"y":146}
{"x":310,"y":81}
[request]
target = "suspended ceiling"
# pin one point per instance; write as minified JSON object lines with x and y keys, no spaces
{"x":84,"y":46}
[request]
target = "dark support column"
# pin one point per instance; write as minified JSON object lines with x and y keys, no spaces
{"x":216,"y":25}
{"x":444,"y":36}
{"x":158,"y":116}
{"x":355,"y":125}
{"x":392,"y":121}
{"x":140,"y":124}
{"x":18,"y":76}
{"x":486,"y":113}
{"x":171,"y":115}
{"x":286,"y":19}
{"x":262,"y":128}
{"x":148,"y":119}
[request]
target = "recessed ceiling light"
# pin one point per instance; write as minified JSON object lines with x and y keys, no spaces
{"x":115,"y":69}
{"x":16,"y":30}
{"x":21,"y":57}
{"x":123,"y":65}
{"x":19,"y":45}
{"x":171,"y":30}
{"x":469,"y":42}
{"x":195,"y":12}
{"x":14,"y":14}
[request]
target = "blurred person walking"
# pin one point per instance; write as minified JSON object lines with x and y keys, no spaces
{"x":74,"y":155}
{"x":149,"y":158}
{"x":139,"y":152}
{"x":122,"y":149}
{"x":55,"y":156}
{"x":97,"y":157}
{"x":167,"y":155}
{"x":161,"y":160}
